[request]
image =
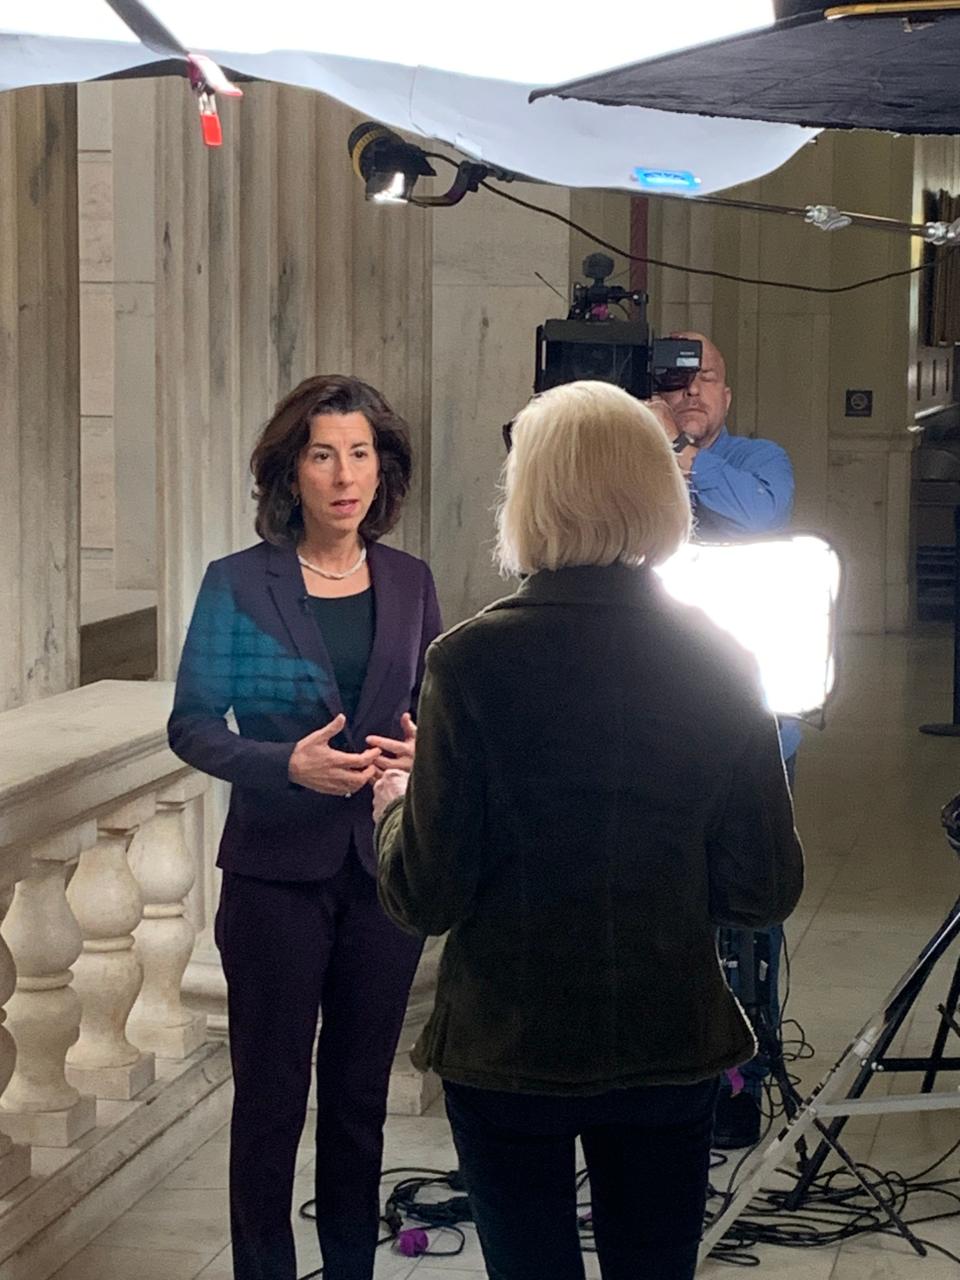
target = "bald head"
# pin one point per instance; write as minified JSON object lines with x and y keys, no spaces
{"x":700,"y":409}
{"x":712,"y":357}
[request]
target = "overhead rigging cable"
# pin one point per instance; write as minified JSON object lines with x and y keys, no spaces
{"x":704,"y":271}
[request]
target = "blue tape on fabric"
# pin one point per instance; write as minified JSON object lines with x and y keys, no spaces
{"x":666,"y":179}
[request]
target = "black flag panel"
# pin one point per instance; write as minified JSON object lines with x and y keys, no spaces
{"x":839,"y":66}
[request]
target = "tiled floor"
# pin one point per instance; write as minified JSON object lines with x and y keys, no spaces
{"x":880,"y":878}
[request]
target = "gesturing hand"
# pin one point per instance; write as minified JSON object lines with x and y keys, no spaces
{"x":399,"y":755}
{"x":388,"y":787}
{"x":315,"y":764}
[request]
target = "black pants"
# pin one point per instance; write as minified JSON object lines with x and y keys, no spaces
{"x":289,"y":950}
{"x":647,"y":1152}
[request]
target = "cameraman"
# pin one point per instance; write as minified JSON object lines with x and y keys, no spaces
{"x":739,"y":487}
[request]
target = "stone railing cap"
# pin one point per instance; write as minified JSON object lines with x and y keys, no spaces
{"x":69,"y":757}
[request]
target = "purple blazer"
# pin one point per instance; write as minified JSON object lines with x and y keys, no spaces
{"x":254,"y":648}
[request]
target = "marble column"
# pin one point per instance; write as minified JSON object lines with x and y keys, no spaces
{"x":39,"y":394}
{"x":134,"y":389}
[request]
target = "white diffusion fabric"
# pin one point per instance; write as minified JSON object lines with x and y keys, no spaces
{"x":778,"y":597}
{"x":429,"y":69}
{"x":528,"y":44}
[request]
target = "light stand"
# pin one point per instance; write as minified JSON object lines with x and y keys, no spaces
{"x":876,"y":1058}
{"x":839,"y":1094}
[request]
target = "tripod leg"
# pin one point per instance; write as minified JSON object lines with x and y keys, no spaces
{"x":885,"y":1205}
{"x":864,"y":1076}
{"x":895,"y":1011}
{"x":947,"y":1021}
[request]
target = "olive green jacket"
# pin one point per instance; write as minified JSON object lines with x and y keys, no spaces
{"x":597,"y":786}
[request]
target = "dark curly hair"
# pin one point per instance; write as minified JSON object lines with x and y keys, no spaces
{"x":275,"y":455}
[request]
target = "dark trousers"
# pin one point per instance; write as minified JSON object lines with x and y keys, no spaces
{"x":647,"y":1152}
{"x":291,"y":949}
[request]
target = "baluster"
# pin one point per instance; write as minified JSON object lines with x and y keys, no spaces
{"x":105,"y":899}
{"x":14,"y":1158}
{"x":165,"y":871}
{"x":39,"y":1106}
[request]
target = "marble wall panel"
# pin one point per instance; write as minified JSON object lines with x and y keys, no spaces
{"x":97,"y":349}
{"x":95,"y":116}
{"x":485,"y":240}
{"x":134,"y":433}
{"x":39,"y":394}
{"x":856,"y":520}
{"x":95,"y":194}
{"x":487,"y":304}
{"x":96,"y":483}
{"x":483,"y":362}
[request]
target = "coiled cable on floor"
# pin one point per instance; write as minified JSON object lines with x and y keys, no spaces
{"x":403,"y":1205}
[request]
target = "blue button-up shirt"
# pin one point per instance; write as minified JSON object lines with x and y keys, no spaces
{"x":744,"y":486}
{"x":748,"y":483}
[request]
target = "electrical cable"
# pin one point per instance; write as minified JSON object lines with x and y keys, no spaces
{"x":703,"y":271}
{"x":439,"y":1216}
{"x":837,"y":1208}
{"x":832,"y":1212}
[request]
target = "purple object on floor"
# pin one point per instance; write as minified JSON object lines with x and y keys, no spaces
{"x":736,"y":1081}
{"x":412,"y":1242}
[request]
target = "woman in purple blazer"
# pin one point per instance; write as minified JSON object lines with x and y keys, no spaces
{"x":315,"y":640}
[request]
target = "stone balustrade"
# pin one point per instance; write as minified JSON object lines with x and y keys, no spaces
{"x":107,"y":1078}
{"x":95,"y":940}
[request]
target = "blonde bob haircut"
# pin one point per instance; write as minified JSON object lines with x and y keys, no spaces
{"x":590,"y":479}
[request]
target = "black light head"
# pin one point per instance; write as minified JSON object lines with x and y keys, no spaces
{"x":388,"y":166}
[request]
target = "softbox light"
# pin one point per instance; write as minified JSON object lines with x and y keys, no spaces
{"x":777,"y":597}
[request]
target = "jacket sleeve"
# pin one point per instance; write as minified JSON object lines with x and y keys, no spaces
{"x":197,"y":729}
{"x":756,"y":496}
{"x":430,"y":846}
{"x":755,"y":861}
{"x":431,"y":627}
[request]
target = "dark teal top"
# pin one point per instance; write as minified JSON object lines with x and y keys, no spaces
{"x":346,"y":624}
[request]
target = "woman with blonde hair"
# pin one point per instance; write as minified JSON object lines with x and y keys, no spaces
{"x":598,"y":785}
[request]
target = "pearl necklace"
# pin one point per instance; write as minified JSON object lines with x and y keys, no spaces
{"x":336,"y":577}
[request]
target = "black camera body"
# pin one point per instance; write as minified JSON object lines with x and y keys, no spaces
{"x":593,"y":344}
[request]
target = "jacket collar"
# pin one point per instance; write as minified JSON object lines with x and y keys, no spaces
{"x":618,"y":584}
{"x":285,"y":584}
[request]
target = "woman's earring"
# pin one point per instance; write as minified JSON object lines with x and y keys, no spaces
{"x":296,"y":499}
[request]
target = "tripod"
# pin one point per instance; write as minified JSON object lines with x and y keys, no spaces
{"x":866,"y":1055}
{"x":876,"y":1057}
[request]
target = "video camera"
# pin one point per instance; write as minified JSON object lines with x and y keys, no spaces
{"x":591,"y":343}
